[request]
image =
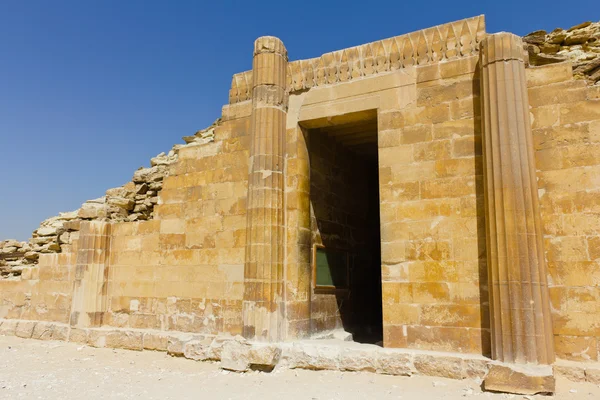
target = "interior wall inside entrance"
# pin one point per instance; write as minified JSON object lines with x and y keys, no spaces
{"x":344,"y":198}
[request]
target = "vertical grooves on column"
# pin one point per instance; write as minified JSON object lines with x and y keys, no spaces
{"x":490,"y":227}
{"x":524,"y":244}
{"x":263,"y":303}
{"x":520,"y":312}
{"x":495,"y":230}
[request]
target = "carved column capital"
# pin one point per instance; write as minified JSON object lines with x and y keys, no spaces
{"x":270,"y":44}
{"x":502,"y":46}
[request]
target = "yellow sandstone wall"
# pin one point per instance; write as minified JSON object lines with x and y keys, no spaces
{"x":432,"y":222}
{"x":184,"y":270}
{"x":42,"y":293}
{"x":566,"y":131}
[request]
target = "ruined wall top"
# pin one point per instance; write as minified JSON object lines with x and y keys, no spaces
{"x":448,"y":41}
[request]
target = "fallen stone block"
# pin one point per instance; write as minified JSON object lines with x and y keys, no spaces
{"x":264,"y":357}
{"x":216,"y":347}
{"x":176,"y":343}
{"x":198,"y":350}
{"x":520,"y":379}
{"x":235,"y":356}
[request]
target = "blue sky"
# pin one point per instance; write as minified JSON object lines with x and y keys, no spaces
{"x":90,"y":90}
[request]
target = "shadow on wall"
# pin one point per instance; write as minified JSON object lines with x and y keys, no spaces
{"x":481,"y":226}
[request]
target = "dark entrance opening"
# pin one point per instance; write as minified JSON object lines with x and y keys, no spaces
{"x":345,"y":225}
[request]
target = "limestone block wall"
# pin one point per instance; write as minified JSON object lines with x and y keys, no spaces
{"x":43,"y":292}
{"x":432,"y":221}
{"x":183,"y":270}
{"x":566,"y":131}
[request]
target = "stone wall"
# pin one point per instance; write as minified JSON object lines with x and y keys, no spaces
{"x":432,"y":222}
{"x":134,"y":201}
{"x":579,"y":44}
{"x":183,"y":270}
{"x":566,"y":131}
{"x":168,"y":251}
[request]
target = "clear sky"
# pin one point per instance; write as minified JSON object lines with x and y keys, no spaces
{"x":90,"y":90}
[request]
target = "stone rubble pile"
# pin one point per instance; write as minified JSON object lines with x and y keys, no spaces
{"x":133,"y":201}
{"x":579,"y":44}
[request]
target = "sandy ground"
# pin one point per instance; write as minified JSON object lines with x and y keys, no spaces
{"x":31,"y":369}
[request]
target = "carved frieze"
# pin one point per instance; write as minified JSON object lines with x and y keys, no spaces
{"x":443,"y":42}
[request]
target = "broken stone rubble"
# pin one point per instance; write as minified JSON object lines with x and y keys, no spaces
{"x":134,"y":201}
{"x":235,"y":353}
{"x":579,"y":44}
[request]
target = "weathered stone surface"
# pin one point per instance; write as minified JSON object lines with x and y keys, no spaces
{"x":395,"y":363}
{"x":119,"y":204}
{"x":92,"y":211}
{"x":50,"y":331}
{"x":307,"y":355}
{"x":264,"y":356}
{"x":359,"y":359}
{"x":572,"y":373}
{"x":593,"y":375}
{"x":176,"y":344}
{"x":520,"y":379}
{"x":96,"y":338}
{"x":443,"y":366}
{"x":143,"y":175}
{"x":184,"y":270}
{"x":216,"y":347}
{"x":238,"y":355}
{"x":79,"y":335}
{"x":475,"y":368}
{"x":47,"y":231}
{"x":338,"y":334}
{"x":198,"y":350}
{"x":155,"y":341}
{"x":24,"y":329}
{"x":235,"y":356}
{"x":8,"y":327}
{"x":122,"y":339}
{"x":579,"y":44}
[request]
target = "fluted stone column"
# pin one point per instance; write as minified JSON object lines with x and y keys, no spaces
{"x":263,"y":306}
{"x":519,"y":302}
{"x":90,"y":301}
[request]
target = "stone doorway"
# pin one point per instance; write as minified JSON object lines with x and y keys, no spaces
{"x":345,"y":225}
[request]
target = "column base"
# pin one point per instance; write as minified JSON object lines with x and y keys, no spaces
{"x":520,"y":378}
